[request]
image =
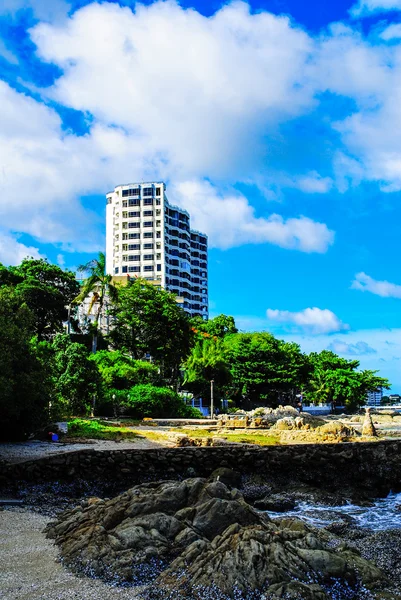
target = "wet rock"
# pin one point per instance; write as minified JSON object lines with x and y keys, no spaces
{"x":276,"y":503}
{"x":193,"y":535}
{"x":227,"y":476}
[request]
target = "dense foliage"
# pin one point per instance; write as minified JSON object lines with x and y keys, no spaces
{"x":150,"y":401}
{"x":148,"y":321}
{"x":151,"y":350}
{"x":23,"y":397}
{"x":46,"y":289}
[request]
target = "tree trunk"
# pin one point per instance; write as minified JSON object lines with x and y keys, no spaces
{"x":94,"y":343}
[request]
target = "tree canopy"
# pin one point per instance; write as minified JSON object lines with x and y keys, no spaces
{"x":265,"y":369}
{"x":338,"y":380}
{"x":23,"y":398}
{"x":46,"y":289}
{"x":154,"y":348}
{"x":148,"y":320}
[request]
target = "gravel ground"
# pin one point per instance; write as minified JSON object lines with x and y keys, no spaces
{"x":21,"y":451}
{"x":29,"y":569}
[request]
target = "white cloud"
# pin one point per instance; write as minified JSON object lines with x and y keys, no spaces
{"x":315,"y":320}
{"x":365,"y":283}
{"x":230,"y":221}
{"x":13,"y":252}
{"x":357,"y":349}
{"x":392,"y":32}
{"x":313,"y":183}
{"x":201,"y":91}
{"x":367,"y":7}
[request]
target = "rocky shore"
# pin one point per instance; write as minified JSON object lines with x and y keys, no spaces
{"x":201,"y":539}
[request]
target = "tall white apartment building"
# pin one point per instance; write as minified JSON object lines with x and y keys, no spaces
{"x":148,"y":237}
{"x":374,"y":398}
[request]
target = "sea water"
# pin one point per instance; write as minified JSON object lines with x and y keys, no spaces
{"x":384,"y":513}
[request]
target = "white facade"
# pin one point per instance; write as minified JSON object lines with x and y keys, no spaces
{"x":374,"y":398}
{"x":148,"y":237}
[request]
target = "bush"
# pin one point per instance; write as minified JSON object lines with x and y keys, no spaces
{"x":157,"y":402}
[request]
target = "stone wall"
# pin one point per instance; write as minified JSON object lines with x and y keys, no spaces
{"x":375,"y":465}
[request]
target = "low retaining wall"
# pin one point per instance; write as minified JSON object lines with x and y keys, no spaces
{"x":366,"y":465}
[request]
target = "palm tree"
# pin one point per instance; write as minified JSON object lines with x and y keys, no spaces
{"x":99,"y":285}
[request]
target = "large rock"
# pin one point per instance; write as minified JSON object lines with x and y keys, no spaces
{"x":368,"y":428}
{"x":191,"y":536}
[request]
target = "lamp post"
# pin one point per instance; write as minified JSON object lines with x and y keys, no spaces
{"x":211,"y":398}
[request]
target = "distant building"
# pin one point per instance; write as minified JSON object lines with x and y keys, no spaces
{"x":374,"y":398}
{"x":394,"y":398}
{"x":148,"y":237}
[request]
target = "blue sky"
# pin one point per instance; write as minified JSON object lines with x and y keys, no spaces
{"x":276,"y":124}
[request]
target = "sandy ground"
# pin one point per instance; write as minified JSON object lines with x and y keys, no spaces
{"x":28,"y":567}
{"x":21,"y":451}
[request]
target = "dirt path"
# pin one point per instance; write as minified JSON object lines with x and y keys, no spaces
{"x":21,"y":451}
{"x":28,"y":567}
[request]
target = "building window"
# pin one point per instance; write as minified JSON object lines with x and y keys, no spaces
{"x":158,"y":191}
{"x":148,"y":257}
{"x":125,"y":225}
{"x":133,"y":225}
{"x":125,"y":236}
{"x":124,"y":247}
{"x":148,"y":268}
{"x":148,"y":234}
{"x":148,"y":246}
{"x":159,"y":267}
{"x":109,"y":200}
{"x":147,"y":213}
{"x":147,"y":224}
{"x":130,"y":192}
{"x":148,"y":201}
{"x":158,"y":223}
{"x":133,"y":236}
{"x":134,"y":247}
{"x":125,"y":214}
{"x":158,"y":256}
{"x":124,"y":269}
{"x":116,"y":270}
{"x":158,"y":234}
{"x":133,"y":202}
{"x":148,"y":191}
{"x":158,"y":202}
{"x":133,"y":257}
{"x":133,"y":214}
{"x":158,"y":212}
{"x":132,"y":269}
{"x":125,"y":203}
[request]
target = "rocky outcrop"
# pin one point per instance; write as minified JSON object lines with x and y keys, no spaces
{"x":368,"y":428}
{"x":191,"y":536}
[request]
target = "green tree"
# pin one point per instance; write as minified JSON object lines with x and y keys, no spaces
{"x":119,"y":373}
{"x":46,"y":289}
{"x":23,"y":395}
{"x":337,"y":380}
{"x":148,"y":320}
{"x":207,"y":361}
{"x":220,"y":326}
{"x":99,"y":286}
{"x":157,"y":402}
{"x":76,"y":377}
{"x":265,"y":370}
